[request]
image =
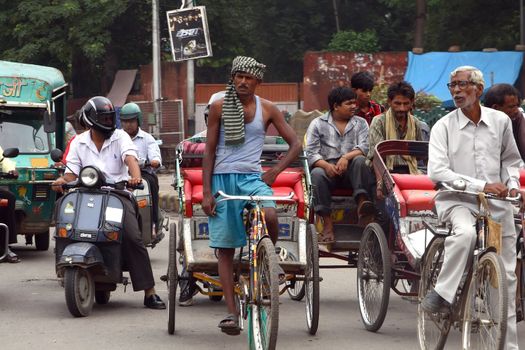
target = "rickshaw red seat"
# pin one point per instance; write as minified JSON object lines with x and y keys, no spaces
{"x":414,"y":192}
{"x":522,"y":178}
{"x":287,"y":181}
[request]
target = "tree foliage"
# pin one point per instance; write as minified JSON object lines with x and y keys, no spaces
{"x":365,"y":42}
{"x":89,"y":40}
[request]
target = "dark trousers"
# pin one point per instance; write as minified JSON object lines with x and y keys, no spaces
{"x":153,"y":182}
{"x":7,"y":215}
{"x":358,"y":177}
{"x":135,"y":255}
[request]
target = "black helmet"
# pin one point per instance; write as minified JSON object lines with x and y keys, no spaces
{"x":99,"y":113}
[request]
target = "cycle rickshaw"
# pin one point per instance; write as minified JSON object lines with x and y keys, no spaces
{"x":387,"y":255}
{"x":297,"y":243}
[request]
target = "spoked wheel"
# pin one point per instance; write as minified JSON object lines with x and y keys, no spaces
{"x":296,"y":291}
{"x":432,"y":329}
{"x":80,"y":291}
{"x":102,"y":296}
{"x":172,"y":279}
{"x":295,"y":287}
{"x":264,"y":314}
{"x":373,"y":277}
{"x":485,"y":316}
{"x":311,"y":281}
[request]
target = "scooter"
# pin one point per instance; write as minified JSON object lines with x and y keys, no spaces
{"x":151,"y":234}
{"x":8,"y":153}
{"x":88,"y":234}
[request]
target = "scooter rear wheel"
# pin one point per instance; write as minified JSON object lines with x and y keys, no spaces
{"x":80,"y":291}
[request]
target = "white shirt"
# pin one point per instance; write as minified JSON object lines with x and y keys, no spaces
{"x":479,"y":154}
{"x":147,"y":147}
{"x":6,"y":164}
{"x":110,"y":159}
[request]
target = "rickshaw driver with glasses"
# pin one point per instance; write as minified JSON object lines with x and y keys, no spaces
{"x":235,"y":136}
{"x":113,"y":152}
{"x":475,"y":144}
{"x":148,"y":151}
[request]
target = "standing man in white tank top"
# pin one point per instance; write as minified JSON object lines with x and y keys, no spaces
{"x":237,"y":125}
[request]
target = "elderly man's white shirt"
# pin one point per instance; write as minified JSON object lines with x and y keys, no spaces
{"x":479,"y":154}
{"x":110,"y":159}
{"x":147,"y":147}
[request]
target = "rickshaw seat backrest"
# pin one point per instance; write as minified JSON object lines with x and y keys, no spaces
{"x":192,"y":154}
{"x":287,"y":181}
{"x":415,"y":193}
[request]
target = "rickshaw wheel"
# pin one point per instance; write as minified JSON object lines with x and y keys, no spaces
{"x":264,"y":313}
{"x":432,"y":328}
{"x":295,"y":287}
{"x":80,"y":291}
{"x":172,"y":278}
{"x":311,"y":283}
{"x":297,"y":291}
{"x":102,"y":296}
{"x":373,"y":277}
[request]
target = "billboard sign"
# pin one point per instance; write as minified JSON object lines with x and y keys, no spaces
{"x":189,"y":35}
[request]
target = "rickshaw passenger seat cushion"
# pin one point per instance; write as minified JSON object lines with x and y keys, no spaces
{"x":286,"y":182}
{"x":192,"y":154}
{"x":192,"y":187}
{"x":413,"y":182}
{"x":522,"y":178}
{"x":417,"y":192}
{"x":419,"y":200}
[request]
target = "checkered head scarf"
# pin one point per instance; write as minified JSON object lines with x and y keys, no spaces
{"x":232,"y":111}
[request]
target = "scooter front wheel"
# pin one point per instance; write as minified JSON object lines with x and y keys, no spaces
{"x":80,"y":291}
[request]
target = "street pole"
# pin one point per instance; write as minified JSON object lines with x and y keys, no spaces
{"x":336,"y":14}
{"x":190,"y":88}
{"x":156,"y":69}
{"x":522,"y":24}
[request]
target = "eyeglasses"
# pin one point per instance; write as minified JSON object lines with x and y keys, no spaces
{"x":462,"y":84}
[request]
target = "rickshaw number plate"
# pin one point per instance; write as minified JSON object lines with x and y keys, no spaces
{"x":200,"y":228}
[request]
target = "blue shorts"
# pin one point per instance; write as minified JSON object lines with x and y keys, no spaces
{"x":226,"y":227}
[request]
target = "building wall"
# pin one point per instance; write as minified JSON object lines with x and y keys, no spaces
{"x":325,"y":70}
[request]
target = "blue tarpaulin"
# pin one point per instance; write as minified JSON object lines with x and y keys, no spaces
{"x":430,"y":72}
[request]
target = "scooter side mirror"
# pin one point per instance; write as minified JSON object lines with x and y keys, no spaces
{"x":57,"y":155}
{"x":11,"y":152}
{"x":49,"y":122}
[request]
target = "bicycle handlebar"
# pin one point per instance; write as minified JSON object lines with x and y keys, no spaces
{"x":226,"y":197}
{"x":449,"y":189}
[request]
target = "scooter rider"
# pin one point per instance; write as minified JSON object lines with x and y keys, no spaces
{"x":113,"y":152}
{"x":148,"y":150}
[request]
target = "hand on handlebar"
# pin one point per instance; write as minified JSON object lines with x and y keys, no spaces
{"x":209,"y":205}
{"x":134,"y":181}
{"x":497,"y":189}
{"x":57,"y":185}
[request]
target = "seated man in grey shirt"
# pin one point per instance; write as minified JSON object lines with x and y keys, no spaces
{"x":336,"y":145}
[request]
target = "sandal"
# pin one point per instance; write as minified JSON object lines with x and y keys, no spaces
{"x":230,"y":325}
{"x":12,"y":258}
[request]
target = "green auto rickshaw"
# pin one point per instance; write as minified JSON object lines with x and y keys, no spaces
{"x":32,"y":119}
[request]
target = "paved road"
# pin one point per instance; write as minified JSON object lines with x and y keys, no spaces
{"x":33,"y":314}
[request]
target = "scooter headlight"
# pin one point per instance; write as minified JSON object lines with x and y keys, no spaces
{"x":89,"y":176}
